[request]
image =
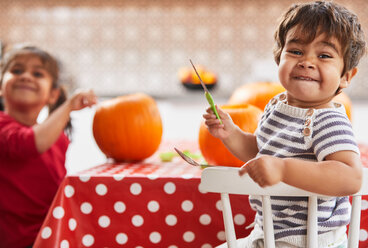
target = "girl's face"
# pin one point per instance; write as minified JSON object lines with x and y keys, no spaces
{"x":311,"y":72}
{"x":26,"y":83}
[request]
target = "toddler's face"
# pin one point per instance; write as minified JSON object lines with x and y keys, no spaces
{"x":311,"y":72}
{"x":26,"y":83}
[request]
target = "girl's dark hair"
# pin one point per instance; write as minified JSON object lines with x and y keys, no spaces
{"x":51,"y":65}
{"x":328,"y":18}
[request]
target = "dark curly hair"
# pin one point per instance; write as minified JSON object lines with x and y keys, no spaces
{"x":328,"y":18}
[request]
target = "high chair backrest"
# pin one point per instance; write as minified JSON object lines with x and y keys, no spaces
{"x":226,"y":180}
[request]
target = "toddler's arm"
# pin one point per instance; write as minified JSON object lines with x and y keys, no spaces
{"x":339,"y":174}
{"x":243,"y":145}
{"x":48,"y":131}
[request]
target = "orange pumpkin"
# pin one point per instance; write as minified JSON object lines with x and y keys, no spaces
{"x":213,"y":150}
{"x":344,"y":99}
{"x":128,"y":128}
{"x":257,"y":94}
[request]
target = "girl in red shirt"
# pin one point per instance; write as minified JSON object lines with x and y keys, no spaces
{"x":32,"y":155}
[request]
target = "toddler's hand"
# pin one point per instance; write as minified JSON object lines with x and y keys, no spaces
{"x":264,"y":170}
{"x":218,"y":130}
{"x":82,"y":99}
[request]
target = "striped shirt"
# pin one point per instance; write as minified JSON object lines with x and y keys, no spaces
{"x":308,"y":134}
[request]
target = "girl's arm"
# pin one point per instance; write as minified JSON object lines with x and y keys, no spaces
{"x":47,"y":132}
{"x":340,"y":174}
{"x":243,"y":145}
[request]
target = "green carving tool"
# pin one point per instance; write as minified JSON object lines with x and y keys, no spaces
{"x":207,"y":94}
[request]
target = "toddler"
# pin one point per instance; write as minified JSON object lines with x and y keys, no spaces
{"x":304,"y":139}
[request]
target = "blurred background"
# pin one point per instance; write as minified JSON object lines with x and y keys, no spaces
{"x":118,"y":47}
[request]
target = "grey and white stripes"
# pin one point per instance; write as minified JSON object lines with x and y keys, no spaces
{"x":282,"y":133}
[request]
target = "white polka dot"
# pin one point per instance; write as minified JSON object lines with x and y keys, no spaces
{"x":187,"y":176}
{"x":364,"y":205}
{"x":219,"y":205}
{"x":64,"y":244}
{"x":135,"y":189}
{"x":363,"y":235}
{"x":121,"y":238}
{"x":69,"y":191}
{"x":155,"y":237}
{"x":58,"y":212}
{"x":118,"y":177}
{"x":46,"y":232}
{"x":239,"y":219}
{"x":104,"y":221}
{"x":119,"y":207}
{"x":72,"y":224}
{"x":137,"y":220}
{"x":86,"y":208}
{"x":221,"y":235}
{"x":205,"y":219}
{"x":188,"y":236}
{"x":206,"y":246}
{"x":187,"y":206}
{"x":171,"y":220}
{"x":201,"y":191}
{"x":84,"y":178}
{"x":153,"y":206}
{"x":101,"y":189}
{"x":172,"y":246}
{"x":139,"y":247}
{"x":88,"y":240}
{"x":152,"y":176}
{"x":169,"y":188}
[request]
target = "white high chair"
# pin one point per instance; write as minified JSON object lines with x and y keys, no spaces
{"x":226,"y":180}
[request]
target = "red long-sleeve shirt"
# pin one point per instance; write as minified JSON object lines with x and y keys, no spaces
{"x":28,"y":181}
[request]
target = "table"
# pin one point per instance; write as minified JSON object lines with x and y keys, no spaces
{"x":146,"y":204}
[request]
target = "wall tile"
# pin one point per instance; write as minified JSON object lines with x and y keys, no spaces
{"x":119,"y":47}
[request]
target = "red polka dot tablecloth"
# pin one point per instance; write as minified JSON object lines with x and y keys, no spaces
{"x":148,"y":204}
{"x":144,"y":205}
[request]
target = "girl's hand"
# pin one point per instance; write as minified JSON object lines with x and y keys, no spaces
{"x":264,"y":170}
{"x":82,"y":99}
{"x":218,"y":130}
